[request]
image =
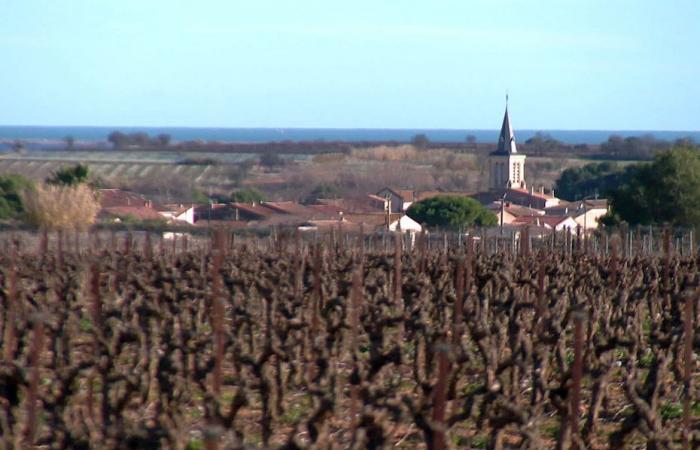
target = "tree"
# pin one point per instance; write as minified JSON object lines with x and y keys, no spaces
{"x":542,"y":142}
{"x":471,"y":141}
{"x":420,"y":141}
{"x":451,"y":212}
{"x":70,"y":142}
{"x":117,"y":139}
{"x":163,"y":139}
{"x":139,"y":139}
{"x":322,"y":190}
{"x":269,"y":159}
{"x":576,"y":183}
{"x":11,"y":188}
{"x":248,"y":195}
{"x":666,"y":191}
{"x":633,"y":147}
{"x":70,"y":176}
{"x":18,"y":146}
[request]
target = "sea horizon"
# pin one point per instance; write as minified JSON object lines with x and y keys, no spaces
{"x":51,"y":134}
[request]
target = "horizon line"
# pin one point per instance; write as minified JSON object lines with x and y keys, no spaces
{"x":196,"y":127}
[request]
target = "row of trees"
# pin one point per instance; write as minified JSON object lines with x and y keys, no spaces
{"x":664,"y":191}
{"x":139,"y":139}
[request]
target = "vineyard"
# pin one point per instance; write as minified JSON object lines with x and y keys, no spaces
{"x":337,"y":341}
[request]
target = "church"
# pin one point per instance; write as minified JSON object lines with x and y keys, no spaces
{"x":506,"y":165}
{"x":516,"y":203}
{"x":507,"y":175}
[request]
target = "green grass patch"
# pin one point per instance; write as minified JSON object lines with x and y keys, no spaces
{"x":670,"y":411}
{"x":195,"y":444}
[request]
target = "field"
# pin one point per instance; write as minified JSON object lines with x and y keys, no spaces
{"x":109,"y":341}
{"x":173,"y":176}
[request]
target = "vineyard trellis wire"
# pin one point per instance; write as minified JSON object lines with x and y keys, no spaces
{"x":345,"y":341}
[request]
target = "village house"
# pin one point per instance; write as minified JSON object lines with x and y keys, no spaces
{"x":511,"y":211}
{"x":366,"y":222}
{"x":117,"y":205}
{"x":586,"y":213}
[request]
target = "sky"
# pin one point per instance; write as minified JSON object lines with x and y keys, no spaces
{"x":566,"y":64}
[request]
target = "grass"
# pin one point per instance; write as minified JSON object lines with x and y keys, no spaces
{"x":297,"y":409}
{"x":647,"y":359}
{"x":670,"y":411}
{"x":551,"y":430}
{"x":480,"y":441}
{"x":195,"y":444}
{"x":85,"y":325}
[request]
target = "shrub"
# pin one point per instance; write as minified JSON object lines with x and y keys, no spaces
{"x":61,"y":207}
{"x":248,"y":195}
{"x":11,"y":187}
{"x":386,"y":153}
{"x":70,"y":176}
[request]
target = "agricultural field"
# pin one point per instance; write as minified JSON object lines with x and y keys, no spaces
{"x":333,"y":341}
{"x":172,"y":176}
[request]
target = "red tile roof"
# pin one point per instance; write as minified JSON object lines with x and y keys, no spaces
{"x":533,"y":194}
{"x":135,"y":212}
{"x":292,"y":208}
{"x":255,"y":209}
{"x":116,"y":197}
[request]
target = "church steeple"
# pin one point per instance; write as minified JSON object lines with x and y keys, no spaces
{"x":506,"y":140}
{"x":507,"y":165}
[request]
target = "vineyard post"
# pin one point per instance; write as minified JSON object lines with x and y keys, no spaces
{"x":356,"y":305}
{"x":60,"y":247}
{"x":398,"y":282}
{"x":667,"y":258}
{"x":96,"y":306}
{"x":579,"y":247}
{"x":690,"y":240}
{"x":147,"y":247}
{"x":613,"y":261}
{"x":43,"y":243}
{"x":607,"y":239}
{"x":440,"y":397}
{"x":630,"y":241}
{"x":539,"y":307}
{"x":97,"y":245}
{"x":317,"y":302}
{"x":576,"y":374}
{"x":217,"y":310}
{"x":422,"y":248}
{"x":459,"y":299}
{"x":10,"y":333}
{"x":688,"y":366}
{"x":37,"y":346}
{"x":340,"y":239}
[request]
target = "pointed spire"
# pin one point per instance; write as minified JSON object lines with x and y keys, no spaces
{"x":506,"y":140}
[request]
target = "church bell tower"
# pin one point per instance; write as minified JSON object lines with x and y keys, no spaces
{"x":506,"y":165}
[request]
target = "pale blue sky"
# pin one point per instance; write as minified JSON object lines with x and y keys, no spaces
{"x":586,"y":64}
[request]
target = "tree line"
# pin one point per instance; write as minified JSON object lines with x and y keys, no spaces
{"x":665,"y":190}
